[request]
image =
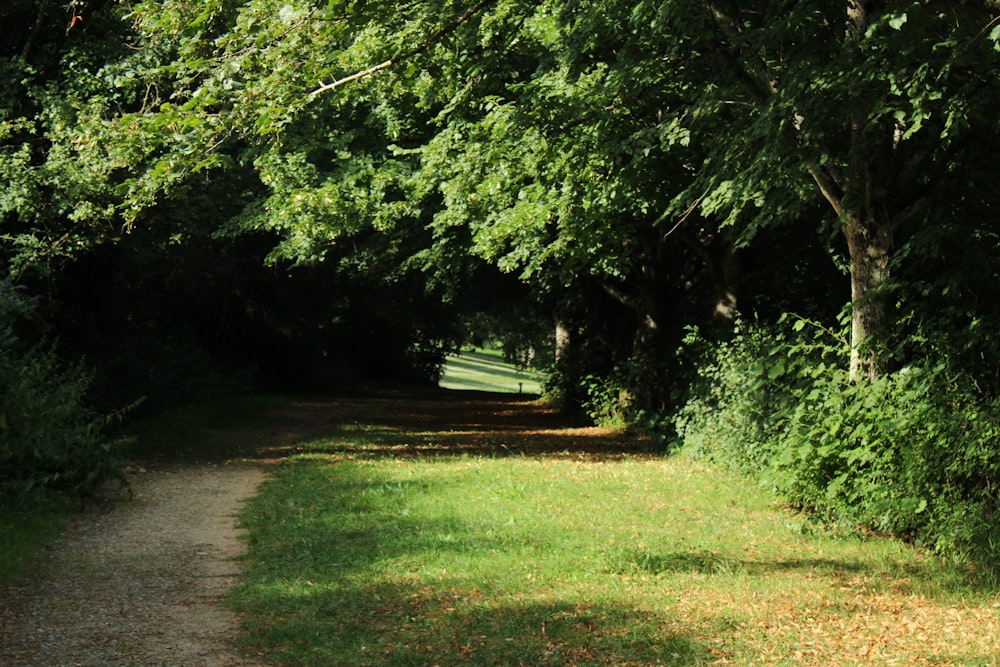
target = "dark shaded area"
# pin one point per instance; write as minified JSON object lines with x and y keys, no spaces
{"x":448,"y":423}
{"x":436,"y":422}
{"x":708,"y":562}
{"x":417,"y":629}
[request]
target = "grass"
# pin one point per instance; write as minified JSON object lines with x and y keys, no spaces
{"x":485,"y":370}
{"x":24,"y":532}
{"x":439,"y":532}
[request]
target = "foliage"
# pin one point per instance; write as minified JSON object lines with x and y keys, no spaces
{"x":912,"y":453}
{"x":606,"y":401}
{"x":50,"y":439}
{"x":732,"y":410}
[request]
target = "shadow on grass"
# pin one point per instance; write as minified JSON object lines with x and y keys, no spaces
{"x":446,"y":423}
{"x":384,"y":423}
{"x":354,"y":563}
{"x":714,"y":563}
{"x":341,"y":574}
{"x":455,"y":624}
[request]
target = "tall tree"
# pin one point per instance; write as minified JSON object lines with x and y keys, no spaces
{"x":643,"y":145}
{"x":882,"y":105}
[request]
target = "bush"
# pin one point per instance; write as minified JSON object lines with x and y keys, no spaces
{"x":730,"y":413}
{"x":913,"y":453}
{"x":49,"y":440}
{"x":607,"y":402}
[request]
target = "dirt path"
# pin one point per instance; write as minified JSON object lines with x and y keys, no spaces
{"x":141,"y":584}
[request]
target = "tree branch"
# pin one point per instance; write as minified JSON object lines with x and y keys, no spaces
{"x":828,"y":186}
{"x":735,"y":66}
{"x":621,"y":297}
{"x":425,"y":45}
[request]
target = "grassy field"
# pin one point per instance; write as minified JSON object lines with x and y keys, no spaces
{"x":485,"y":370}
{"x":437,"y":531}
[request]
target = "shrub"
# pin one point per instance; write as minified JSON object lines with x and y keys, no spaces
{"x":913,"y":453}
{"x":607,"y":403}
{"x":49,"y":440}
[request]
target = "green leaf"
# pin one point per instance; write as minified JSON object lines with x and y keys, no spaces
{"x":994,"y":36}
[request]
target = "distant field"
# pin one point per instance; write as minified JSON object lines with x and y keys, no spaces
{"x":485,"y":370}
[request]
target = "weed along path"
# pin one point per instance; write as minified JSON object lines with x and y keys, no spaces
{"x":139,"y":585}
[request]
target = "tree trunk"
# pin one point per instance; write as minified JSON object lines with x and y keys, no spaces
{"x":562,"y":341}
{"x":726,"y":270}
{"x":869,"y":244}
{"x":857,"y":190}
{"x":641,"y":390}
{"x":35,"y":29}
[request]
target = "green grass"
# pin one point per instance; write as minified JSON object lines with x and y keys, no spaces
{"x":24,"y":532}
{"x":485,"y":370}
{"x":358,"y":558}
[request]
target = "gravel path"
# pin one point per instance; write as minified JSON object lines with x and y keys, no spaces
{"x":141,"y":584}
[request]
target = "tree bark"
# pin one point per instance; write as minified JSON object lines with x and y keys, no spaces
{"x":35,"y":29}
{"x":870,"y":248}
{"x":726,"y":270}
{"x":563,"y":342}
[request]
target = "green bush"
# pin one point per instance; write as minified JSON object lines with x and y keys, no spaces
{"x":913,"y":453}
{"x":728,"y":417}
{"x":607,"y":403}
{"x":49,"y":440}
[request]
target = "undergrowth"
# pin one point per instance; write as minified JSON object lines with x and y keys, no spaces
{"x":50,"y":440}
{"x":912,"y":453}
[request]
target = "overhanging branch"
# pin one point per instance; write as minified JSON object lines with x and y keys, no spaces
{"x":423,"y":46}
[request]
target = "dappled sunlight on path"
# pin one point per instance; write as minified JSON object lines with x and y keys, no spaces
{"x":444,"y":424}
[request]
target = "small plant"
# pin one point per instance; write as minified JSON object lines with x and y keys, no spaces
{"x":731,"y":413}
{"x":607,"y":402}
{"x":49,"y":439}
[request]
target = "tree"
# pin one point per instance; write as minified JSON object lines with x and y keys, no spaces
{"x":881,"y":105}
{"x":649,"y":148}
